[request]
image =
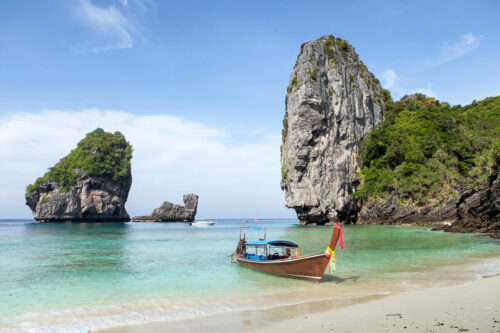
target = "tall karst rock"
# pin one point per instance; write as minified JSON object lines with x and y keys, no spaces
{"x":331,"y":103}
{"x":90,"y":184}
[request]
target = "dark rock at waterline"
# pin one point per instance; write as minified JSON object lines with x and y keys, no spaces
{"x":169,"y":212}
{"x":472,"y":210}
{"x":91,"y":199}
{"x":478,"y":209}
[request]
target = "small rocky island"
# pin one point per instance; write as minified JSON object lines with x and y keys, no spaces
{"x":351,"y":154}
{"x":90,"y":184}
{"x":169,"y":212}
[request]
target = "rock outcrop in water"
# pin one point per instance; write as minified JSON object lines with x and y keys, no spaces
{"x":91,"y":184}
{"x":91,"y":199}
{"x":331,"y":103}
{"x":169,"y":212}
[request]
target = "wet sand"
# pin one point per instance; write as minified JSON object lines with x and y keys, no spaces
{"x":470,"y":307}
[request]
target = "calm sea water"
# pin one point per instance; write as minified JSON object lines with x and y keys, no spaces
{"x":80,"y":277}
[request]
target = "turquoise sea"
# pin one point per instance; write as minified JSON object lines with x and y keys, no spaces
{"x":77,"y":277}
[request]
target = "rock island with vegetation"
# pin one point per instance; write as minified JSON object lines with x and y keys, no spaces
{"x":350,"y":154}
{"x":431,"y":162}
{"x":90,"y":184}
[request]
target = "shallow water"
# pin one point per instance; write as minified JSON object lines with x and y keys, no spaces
{"x":79,"y":276}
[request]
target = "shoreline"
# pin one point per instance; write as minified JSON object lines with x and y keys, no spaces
{"x":469,"y":306}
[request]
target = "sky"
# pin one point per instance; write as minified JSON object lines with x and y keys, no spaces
{"x":198,"y":87}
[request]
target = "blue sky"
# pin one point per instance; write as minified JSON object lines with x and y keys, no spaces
{"x":221,"y":67}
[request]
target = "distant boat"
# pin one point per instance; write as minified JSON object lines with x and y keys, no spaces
{"x":202,"y":223}
{"x":276,"y":257}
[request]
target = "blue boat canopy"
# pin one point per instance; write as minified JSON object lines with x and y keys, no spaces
{"x":272,"y":243}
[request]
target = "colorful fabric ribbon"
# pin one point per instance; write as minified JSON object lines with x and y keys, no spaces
{"x":329,"y":253}
{"x":341,"y":236}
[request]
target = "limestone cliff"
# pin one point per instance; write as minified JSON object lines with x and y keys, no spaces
{"x":169,"y":212}
{"x":331,"y":103}
{"x":90,"y":184}
{"x":473,"y":209}
{"x":91,"y":199}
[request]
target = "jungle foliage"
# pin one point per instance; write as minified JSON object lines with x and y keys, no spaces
{"x":100,"y":153}
{"x":426,"y":149}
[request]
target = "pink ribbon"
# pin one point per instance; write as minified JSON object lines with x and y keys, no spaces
{"x":341,"y":236}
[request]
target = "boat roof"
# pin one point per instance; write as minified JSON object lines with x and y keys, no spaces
{"x":273,"y":243}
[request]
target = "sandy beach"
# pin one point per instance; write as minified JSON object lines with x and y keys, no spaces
{"x":470,"y":307}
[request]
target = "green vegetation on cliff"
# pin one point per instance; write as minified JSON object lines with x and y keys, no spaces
{"x":425,"y":148}
{"x":99,"y":154}
{"x":332,"y":42}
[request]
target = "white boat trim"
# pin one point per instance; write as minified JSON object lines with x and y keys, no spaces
{"x":202,"y":223}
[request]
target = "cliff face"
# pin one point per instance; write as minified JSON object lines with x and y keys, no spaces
{"x":478,"y":209}
{"x":90,"y":184}
{"x":91,"y":199}
{"x":331,"y":103}
{"x":474,"y":209}
{"x":169,"y":212}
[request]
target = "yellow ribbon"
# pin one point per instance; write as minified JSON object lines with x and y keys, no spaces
{"x":332,"y":259}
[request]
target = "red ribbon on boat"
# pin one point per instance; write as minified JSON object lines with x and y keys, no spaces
{"x":341,"y":236}
{"x":330,"y":254}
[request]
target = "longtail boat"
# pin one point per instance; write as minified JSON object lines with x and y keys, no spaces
{"x":276,"y":257}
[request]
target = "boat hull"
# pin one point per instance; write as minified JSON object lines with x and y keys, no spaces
{"x":202,"y":224}
{"x":309,"y":267}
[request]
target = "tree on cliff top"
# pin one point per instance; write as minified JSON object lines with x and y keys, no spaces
{"x":100,"y":153}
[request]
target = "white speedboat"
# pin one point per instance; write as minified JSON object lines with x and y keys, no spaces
{"x":202,"y":223}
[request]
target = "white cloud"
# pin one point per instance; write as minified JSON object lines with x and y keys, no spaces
{"x":114,"y":25}
{"x":390,"y":82}
{"x":466,"y":44}
{"x":389,"y":76}
{"x":427,"y":91}
{"x":172,"y":156}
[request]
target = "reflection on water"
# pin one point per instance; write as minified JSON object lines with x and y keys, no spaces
{"x":335,"y":279}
